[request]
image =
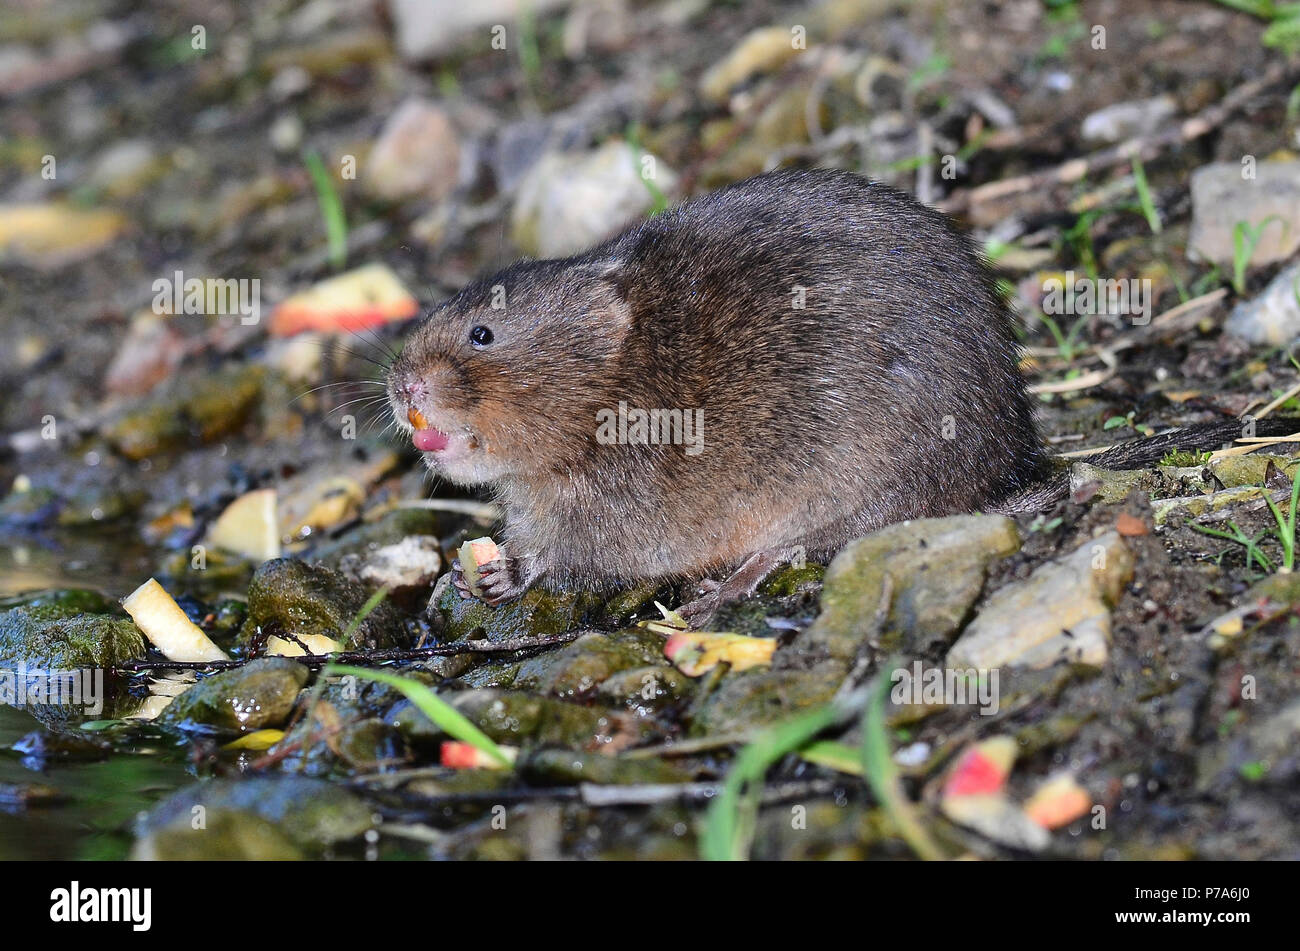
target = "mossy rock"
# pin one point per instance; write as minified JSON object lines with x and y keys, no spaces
{"x":645,"y":688}
{"x":356,"y":702}
{"x":578,"y":669}
{"x":369,"y":744}
{"x":1283,"y":587}
{"x":224,"y":837}
{"x":292,"y":596}
{"x":99,"y":504}
{"x":62,"y":602}
{"x":565,"y":767}
{"x":625,"y":607}
{"x":539,"y":613}
{"x":46,"y":636}
{"x":310,"y":813}
{"x":256,"y":696}
{"x":791,"y":580}
{"x":519,"y":719}
{"x":198,"y":410}
{"x":908,"y":585}
{"x":1251,"y":469}
{"x":756,"y":698}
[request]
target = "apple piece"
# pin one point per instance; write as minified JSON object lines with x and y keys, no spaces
{"x":459,"y":755}
{"x":982,"y":769}
{"x":249,"y":527}
{"x":697,"y":652}
{"x":1058,"y":802}
{"x":472,"y":554}
{"x":258,"y":740}
{"x":161,"y":620}
{"x":319,"y":644}
{"x":362,"y":298}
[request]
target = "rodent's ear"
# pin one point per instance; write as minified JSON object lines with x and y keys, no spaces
{"x":610,"y":288}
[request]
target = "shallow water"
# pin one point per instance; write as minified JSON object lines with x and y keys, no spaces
{"x":99,"y":799}
{"x":110,"y":561}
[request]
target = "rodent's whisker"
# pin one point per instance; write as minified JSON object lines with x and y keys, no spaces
{"x":370,"y":337}
{"x":361,"y":356}
{"x":369,"y":401}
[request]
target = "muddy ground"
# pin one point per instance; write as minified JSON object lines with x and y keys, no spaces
{"x":128,"y":432}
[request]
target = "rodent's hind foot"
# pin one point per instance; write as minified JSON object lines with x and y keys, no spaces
{"x":741,"y":583}
{"x":700,"y":611}
{"x":499,"y":581}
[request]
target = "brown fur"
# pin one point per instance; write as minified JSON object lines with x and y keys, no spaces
{"x":820,"y":424}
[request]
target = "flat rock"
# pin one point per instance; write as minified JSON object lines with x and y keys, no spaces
{"x":934,"y":569}
{"x":1273,"y":317}
{"x":427,"y":28}
{"x":1061,"y":612}
{"x":569,"y":201}
{"x":1221,"y":198}
{"x":257,"y":695}
{"x":417,"y":155}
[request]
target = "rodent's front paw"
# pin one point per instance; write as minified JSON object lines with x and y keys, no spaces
{"x":499,"y":580}
{"x":458,"y":580}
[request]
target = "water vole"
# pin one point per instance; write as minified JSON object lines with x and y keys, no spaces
{"x":838,"y":350}
{"x":826,"y":356}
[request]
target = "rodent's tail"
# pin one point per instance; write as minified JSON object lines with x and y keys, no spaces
{"x":1145,"y":452}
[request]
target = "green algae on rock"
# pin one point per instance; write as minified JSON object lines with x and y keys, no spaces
{"x":759,"y":697}
{"x":310,"y":813}
{"x":645,"y":688}
{"x":357,"y":703}
{"x":910,"y":584}
{"x":538,"y":613}
{"x":578,"y":669}
{"x":198,"y":410}
{"x":54,"y":635}
{"x":564,"y":767}
{"x":518,"y":719}
{"x":257,"y":695}
{"x":297,"y":598}
{"x":225,"y":836}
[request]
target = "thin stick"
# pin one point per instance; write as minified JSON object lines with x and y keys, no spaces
{"x":1294,"y":391}
{"x":1251,"y":447}
{"x":369,"y":657}
{"x":1084,"y":382}
{"x":486,"y":511}
{"x":1146,"y":147}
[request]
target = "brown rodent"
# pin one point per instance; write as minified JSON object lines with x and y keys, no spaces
{"x":886,"y":389}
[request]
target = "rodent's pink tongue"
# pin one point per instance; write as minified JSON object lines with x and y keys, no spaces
{"x":429,"y":440}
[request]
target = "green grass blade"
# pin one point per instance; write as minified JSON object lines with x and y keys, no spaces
{"x":443,"y":715}
{"x":729,"y":824}
{"x":371,"y":603}
{"x":834,"y":755}
{"x":1144,"y":196}
{"x":331,"y":209}
{"x":882,"y":776}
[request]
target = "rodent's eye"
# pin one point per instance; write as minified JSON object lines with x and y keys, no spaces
{"x":480,"y":336}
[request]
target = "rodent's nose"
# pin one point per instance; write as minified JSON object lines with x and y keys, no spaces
{"x":410,"y":389}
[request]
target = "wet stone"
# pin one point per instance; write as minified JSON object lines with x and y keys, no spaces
{"x":309,"y":813}
{"x":302,"y":599}
{"x":258,"y":695}
{"x":912,"y":584}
